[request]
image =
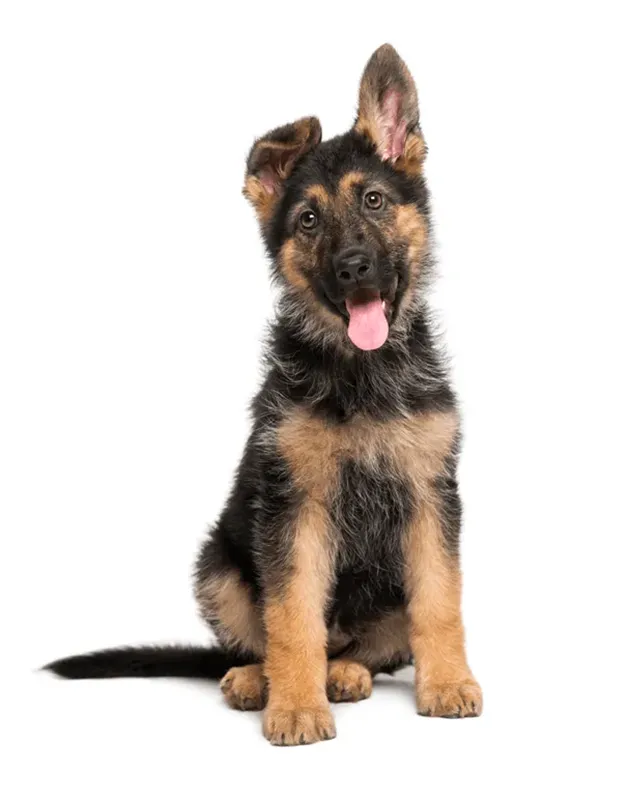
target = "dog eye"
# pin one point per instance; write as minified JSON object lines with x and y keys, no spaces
{"x":308,"y":220}
{"x":373,"y":200}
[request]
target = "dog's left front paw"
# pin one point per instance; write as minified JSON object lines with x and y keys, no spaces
{"x":452,"y":700}
{"x":245,"y":688}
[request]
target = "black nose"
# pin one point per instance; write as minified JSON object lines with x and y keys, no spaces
{"x":353,"y":266}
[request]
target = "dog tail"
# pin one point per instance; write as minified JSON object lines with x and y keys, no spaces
{"x":150,"y":662}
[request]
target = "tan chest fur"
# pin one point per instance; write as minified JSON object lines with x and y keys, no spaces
{"x":414,"y":447}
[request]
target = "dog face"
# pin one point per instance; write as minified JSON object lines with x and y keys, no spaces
{"x":346,"y":221}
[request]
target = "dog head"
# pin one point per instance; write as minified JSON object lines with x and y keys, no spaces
{"x":346,"y":221}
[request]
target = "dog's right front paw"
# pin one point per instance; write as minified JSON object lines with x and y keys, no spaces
{"x":245,"y":687}
{"x":303,"y":726}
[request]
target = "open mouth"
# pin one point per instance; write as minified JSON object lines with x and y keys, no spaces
{"x":369,"y":313}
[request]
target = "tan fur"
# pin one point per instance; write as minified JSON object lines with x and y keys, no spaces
{"x":347,"y":184}
{"x":245,"y":687}
{"x":417,"y":444}
{"x":411,"y":226}
{"x":303,"y":726}
{"x":445,"y":685}
{"x":226,"y":602}
{"x":412,"y":160}
{"x":319,"y":193}
{"x":309,"y":444}
{"x":288,"y":260}
{"x":262,"y":200}
{"x":348,"y":680}
{"x":296,"y":660}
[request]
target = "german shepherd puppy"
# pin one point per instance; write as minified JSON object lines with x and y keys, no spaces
{"x":336,"y":556}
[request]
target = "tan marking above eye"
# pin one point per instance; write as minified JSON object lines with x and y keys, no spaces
{"x":319,"y":193}
{"x":348,"y":182}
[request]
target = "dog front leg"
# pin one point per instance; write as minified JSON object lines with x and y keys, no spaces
{"x":445,"y":686}
{"x":298,"y":711}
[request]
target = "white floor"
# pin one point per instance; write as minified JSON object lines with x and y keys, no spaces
{"x":165,"y":738}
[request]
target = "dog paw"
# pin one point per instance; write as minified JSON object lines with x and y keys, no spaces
{"x":348,"y":681}
{"x":245,"y":687}
{"x":304,"y":726}
{"x":452,"y":700}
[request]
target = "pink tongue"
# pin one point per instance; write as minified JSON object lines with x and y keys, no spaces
{"x":368,"y":327}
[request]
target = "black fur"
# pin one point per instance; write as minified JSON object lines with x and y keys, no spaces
{"x":149,"y":662}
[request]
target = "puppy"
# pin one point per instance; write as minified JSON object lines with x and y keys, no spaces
{"x":337,"y":553}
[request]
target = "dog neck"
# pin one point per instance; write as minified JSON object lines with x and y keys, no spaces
{"x":405,"y":376}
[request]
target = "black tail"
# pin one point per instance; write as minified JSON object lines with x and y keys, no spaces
{"x":150,"y":662}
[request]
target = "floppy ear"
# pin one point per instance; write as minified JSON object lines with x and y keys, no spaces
{"x":388,"y":110}
{"x":272,"y":159}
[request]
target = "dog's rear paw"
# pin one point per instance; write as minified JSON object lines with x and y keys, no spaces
{"x":453,"y":700}
{"x":348,"y":681}
{"x":245,"y":687}
{"x":303,"y":726}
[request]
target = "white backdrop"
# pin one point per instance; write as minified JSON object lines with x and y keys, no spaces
{"x":132,"y":302}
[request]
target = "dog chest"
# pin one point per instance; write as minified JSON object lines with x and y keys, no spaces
{"x":325,"y":458}
{"x":370,"y":507}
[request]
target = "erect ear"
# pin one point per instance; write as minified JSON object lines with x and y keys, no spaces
{"x":272,"y":159}
{"x":388,"y":110}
